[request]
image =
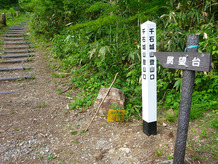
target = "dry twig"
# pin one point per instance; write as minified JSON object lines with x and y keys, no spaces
{"x":102,"y":102}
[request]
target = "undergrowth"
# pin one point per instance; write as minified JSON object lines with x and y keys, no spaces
{"x":93,"y":41}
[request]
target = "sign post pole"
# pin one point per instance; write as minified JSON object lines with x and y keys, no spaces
{"x":190,"y":62}
{"x":185,"y":105}
{"x":148,"y":62}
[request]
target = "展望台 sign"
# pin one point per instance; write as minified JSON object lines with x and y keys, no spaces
{"x":148,"y":66}
{"x":187,"y":61}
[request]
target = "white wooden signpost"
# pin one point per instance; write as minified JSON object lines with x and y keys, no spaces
{"x":148,"y":62}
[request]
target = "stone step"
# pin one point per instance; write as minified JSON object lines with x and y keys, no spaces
{"x":20,"y":47}
{"x":16,"y":78}
{"x":14,"y":39}
{"x":17,"y":43}
{"x":13,"y":35}
{"x":18,"y":51}
{"x":17,"y":56}
{"x":16,"y":28}
{"x":17,"y":46}
{"x":18,"y":25}
{"x":14,"y":32}
{"x":22,"y":31}
{"x":14,"y":69}
{"x":10,"y":92}
{"x":15,"y":61}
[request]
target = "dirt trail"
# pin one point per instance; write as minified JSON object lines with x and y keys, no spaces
{"x":37,"y":127}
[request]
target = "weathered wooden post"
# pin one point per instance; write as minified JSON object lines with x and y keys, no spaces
{"x":185,"y":105}
{"x":148,"y":64}
{"x":190,"y":62}
{"x":3,"y":19}
{"x":17,"y":13}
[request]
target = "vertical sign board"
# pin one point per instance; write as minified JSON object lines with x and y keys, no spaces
{"x":148,"y":62}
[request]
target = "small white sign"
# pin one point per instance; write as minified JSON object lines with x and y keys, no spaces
{"x":148,"y":62}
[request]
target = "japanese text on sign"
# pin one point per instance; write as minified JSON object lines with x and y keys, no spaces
{"x":148,"y":62}
{"x":183,"y":61}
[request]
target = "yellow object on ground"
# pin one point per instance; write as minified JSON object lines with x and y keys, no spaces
{"x":115,"y":115}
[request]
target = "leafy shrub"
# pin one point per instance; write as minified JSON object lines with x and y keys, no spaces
{"x":96,"y":39}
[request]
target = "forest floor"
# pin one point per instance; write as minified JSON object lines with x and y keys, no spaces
{"x":36,"y":126}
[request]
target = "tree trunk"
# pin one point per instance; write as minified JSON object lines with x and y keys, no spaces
{"x":3,"y":19}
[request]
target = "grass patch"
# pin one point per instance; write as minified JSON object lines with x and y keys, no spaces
{"x":203,"y":139}
{"x":59,"y":91}
{"x":171,"y":118}
{"x":159,"y":152}
{"x":51,"y":157}
{"x":12,"y":112}
{"x":16,"y":129}
{"x":82,"y":103}
{"x":57,"y":75}
{"x":214,"y":123}
{"x":74,"y":132}
{"x":42,"y":105}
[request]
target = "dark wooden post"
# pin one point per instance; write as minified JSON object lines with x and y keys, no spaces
{"x":3,"y":19}
{"x":185,"y":105}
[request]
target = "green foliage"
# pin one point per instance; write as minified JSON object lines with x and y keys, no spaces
{"x":81,"y":103}
{"x":93,"y":40}
{"x":57,"y":75}
{"x":214,"y":123}
{"x":16,"y":129}
{"x":74,"y":132}
{"x":42,"y":105}
{"x":51,"y":157}
{"x":203,"y":149}
{"x":178,"y":23}
{"x":11,"y":21}
{"x":99,"y":6}
{"x":204,"y":133}
{"x":59,"y":91}
{"x":39,"y":156}
{"x":52,"y":16}
{"x":158,"y":152}
{"x":170,"y":157}
{"x":12,"y":112}
{"x":203,"y":101}
{"x":171,"y":118}
{"x":6,"y":4}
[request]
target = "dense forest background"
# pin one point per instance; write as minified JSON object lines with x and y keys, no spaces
{"x":92,"y":40}
{"x":5,"y":4}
